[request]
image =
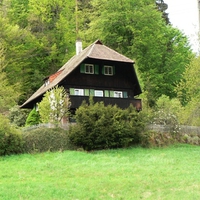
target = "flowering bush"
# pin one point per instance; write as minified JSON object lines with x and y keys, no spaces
{"x":54,"y":105}
{"x":166,"y":119}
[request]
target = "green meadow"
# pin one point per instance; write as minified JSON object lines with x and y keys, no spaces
{"x":134,"y":173}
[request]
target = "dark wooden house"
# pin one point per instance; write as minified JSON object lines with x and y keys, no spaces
{"x":96,"y":71}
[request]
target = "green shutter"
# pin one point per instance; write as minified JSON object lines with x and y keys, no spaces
{"x":87,"y":92}
{"x":113,"y":70}
{"x":71,"y":91}
{"x":96,"y":68}
{"x":82,"y":68}
{"x":91,"y":92}
{"x":111,"y":93}
{"x":125,"y":94}
{"x":102,"y":70}
{"x":106,"y":93}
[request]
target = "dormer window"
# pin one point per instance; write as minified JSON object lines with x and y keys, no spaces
{"x":46,"y":82}
{"x":89,"y":69}
{"x":108,"y":70}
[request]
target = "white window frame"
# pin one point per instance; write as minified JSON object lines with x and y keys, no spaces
{"x":98,"y":93}
{"x":89,"y":68}
{"x":78,"y":92}
{"x":108,"y":70}
{"x":118,"y":94}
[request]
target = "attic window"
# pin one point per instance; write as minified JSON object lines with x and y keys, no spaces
{"x":108,"y":70}
{"x":46,"y":82}
{"x":89,"y":69}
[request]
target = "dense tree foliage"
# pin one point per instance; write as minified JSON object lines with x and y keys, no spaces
{"x":188,"y":91}
{"x":137,"y":29}
{"x":39,"y":37}
{"x":8,"y":93}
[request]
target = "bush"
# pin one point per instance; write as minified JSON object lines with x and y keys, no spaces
{"x":157,"y":139}
{"x":105,"y":127}
{"x":10,"y":138}
{"x":33,"y":118}
{"x":18,"y":116}
{"x":45,"y":139}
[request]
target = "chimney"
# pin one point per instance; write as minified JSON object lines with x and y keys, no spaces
{"x":78,"y":46}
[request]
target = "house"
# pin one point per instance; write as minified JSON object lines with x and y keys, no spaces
{"x":96,"y":71}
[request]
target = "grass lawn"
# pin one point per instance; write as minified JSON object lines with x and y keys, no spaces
{"x":136,"y":173}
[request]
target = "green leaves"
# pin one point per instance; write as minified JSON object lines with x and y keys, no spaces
{"x":137,"y":30}
{"x":103,"y":127}
{"x":8,"y":93}
{"x":54,"y":105}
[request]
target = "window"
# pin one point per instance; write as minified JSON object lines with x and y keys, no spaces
{"x":118,"y":94}
{"x":46,"y":82}
{"x":74,"y":91}
{"x":89,"y":69}
{"x":78,"y":92}
{"x":108,"y":70}
{"x":98,"y":93}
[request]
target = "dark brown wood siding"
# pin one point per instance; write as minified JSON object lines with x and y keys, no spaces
{"x":124,"y":78}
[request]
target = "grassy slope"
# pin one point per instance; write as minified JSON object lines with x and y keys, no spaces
{"x":167,"y":173}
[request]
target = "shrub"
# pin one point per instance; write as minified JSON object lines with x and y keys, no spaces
{"x":18,"y":116}
{"x":157,"y":139}
{"x":33,"y":118}
{"x":103,"y":127}
{"x":54,"y":106}
{"x":45,"y":139}
{"x":10,"y":138}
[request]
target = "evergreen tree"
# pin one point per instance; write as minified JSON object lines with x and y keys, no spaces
{"x":33,"y":118}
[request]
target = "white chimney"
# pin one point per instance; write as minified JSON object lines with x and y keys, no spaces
{"x":78,"y":46}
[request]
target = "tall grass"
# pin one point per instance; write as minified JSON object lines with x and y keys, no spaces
{"x":136,"y":173}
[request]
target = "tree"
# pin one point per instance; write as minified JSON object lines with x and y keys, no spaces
{"x":8,"y":93}
{"x":160,"y":51}
{"x":21,"y":52}
{"x":189,"y":85}
{"x":33,"y":118}
{"x":39,"y":36}
{"x":188,"y":91}
{"x":54,"y":106}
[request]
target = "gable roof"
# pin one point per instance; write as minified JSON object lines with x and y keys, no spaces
{"x":96,"y":51}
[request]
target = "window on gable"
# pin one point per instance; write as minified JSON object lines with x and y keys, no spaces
{"x":108,"y":70}
{"x":89,"y":69}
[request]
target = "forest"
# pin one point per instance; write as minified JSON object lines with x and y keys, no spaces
{"x":38,"y":36}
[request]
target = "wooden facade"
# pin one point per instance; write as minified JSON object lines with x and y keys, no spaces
{"x":97,"y":71}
